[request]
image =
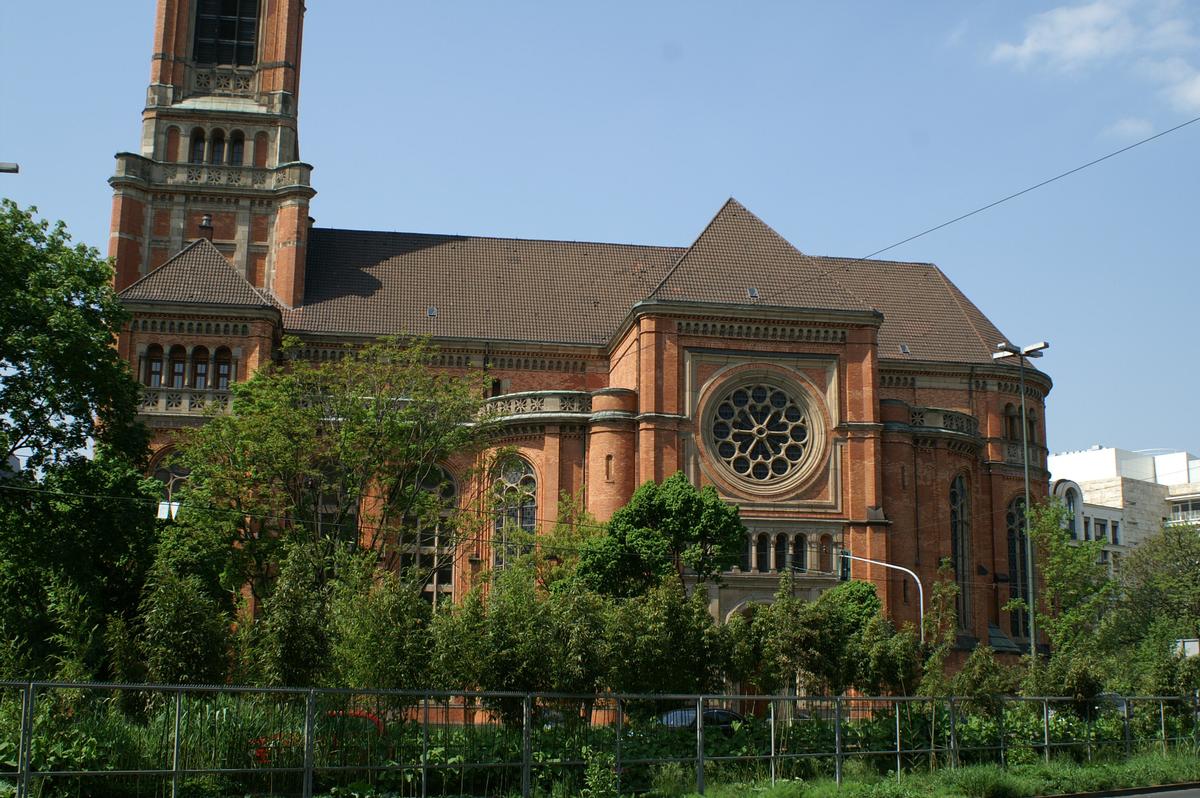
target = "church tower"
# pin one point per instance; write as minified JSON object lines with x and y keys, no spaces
{"x":219,"y":155}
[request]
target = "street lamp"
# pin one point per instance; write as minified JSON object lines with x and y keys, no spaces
{"x":1006,"y":350}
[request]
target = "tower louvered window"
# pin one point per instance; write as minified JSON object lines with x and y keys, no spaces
{"x":226,"y":32}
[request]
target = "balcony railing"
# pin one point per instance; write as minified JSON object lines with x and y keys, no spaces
{"x":184,"y":401}
{"x":936,"y":418}
{"x":539,"y":403}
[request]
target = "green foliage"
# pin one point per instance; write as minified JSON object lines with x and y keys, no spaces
{"x":64,"y":381}
{"x":293,"y":640}
{"x":600,"y":778}
{"x":664,"y":529}
{"x":335,"y":453}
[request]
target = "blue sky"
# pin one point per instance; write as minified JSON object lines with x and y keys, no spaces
{"x":846,"y":126}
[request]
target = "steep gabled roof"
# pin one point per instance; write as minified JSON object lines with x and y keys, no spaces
{"x":738,"y":252}
{"x":199,"y":274}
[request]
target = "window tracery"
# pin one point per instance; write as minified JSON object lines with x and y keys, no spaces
{"x":760,"y":432}
{"x":515,"y":519}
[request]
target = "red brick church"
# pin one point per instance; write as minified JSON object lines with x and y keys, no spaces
{"x":840,"y":403}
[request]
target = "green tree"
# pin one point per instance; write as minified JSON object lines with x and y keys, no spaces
{"x":460,"y":650}
{"x":292,"y":641}
{"x":671,"y":528}
{"x":62,"y":381}
{"x":336,"y":453}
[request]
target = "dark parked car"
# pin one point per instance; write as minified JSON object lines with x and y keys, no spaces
{"x":715,"y":719}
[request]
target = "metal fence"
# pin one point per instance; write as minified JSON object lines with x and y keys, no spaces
{"x":170,"y":740}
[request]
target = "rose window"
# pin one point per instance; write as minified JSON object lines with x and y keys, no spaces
{"x":761,"y":432}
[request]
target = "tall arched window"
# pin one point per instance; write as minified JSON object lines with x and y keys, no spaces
{"x":216,"y":153}
{"x":224,"y":369}
{"x":196,"y":150}
{"x":781,"y":553}
{"x":200,"y":368}
{"x":178,"y":372}
{"x":1018,"y":582}
{"x":429,"y":547}
{"x":762,"y":552}
{"x":237,"y":148}
{"x":960,"y":546}
{"x":1071,"y":501}
{"x":154,"y":366}
{"x":800,"y":553}
{"x":515,"y":520}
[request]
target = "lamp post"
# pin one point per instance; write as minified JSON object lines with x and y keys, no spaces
{"x":1006,"y":350}
{"x":917,"y":579}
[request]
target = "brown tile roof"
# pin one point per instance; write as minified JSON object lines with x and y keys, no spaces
{"x":738,"y":253}
{"x":199,"y":274}
{"x":369,"y":283}
{"x":506,"y":289}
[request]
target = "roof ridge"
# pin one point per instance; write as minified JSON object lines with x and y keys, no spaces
{"x":690,"y":247}
{"x":500,"y":238}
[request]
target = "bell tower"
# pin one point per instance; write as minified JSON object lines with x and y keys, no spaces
{"x":219,"y":139}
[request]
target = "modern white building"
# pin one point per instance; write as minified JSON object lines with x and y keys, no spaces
{"x":1121,"y":497}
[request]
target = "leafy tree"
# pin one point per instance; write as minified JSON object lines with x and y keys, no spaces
{"x":185,"y":631}
{"x":1160,"y":580}
{"x":336,"y":453}
{"x":293,"y":633}
{"x":460,"y":649}
{"x":664,"y":529}
{"x":941,"y":632}
{"x":379,"y":628}
{"x":62,"y":381}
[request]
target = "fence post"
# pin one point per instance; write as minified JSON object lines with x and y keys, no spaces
{"x":310,"y":713}
{"x":175,"y":745}
{"x":1003,"y":736}
{"x":620,"y":734}
{"x":1162,"y":722}
{"x":1087,"y":731}
{"x":896,"y":708}
{"x":837,"y":740}
{"x":1125,"y":714}
{"x":700,"y":745}
{"x":526,"y":743}
{"x":424,"y":746}
{"x":1046,"y":730}
{"x":771,"y":708}
{"x":953,"y":734}
{"x":25,"y":743}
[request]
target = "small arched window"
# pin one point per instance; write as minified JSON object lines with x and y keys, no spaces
{"x":1018,"y":580}
{"x":1031,"y":426}
{"x":1071,"y":502}
{"x":762,"y":552}
{"x":196,"y":151}
{"x":1012,"y":423}
{"x":200,"y":368}
{"x":237,"y":148}
{"x":515,"y":520}
{"x":224,"y":374}
{"x":154,"y":366}
{"x":216,"y":153}
{"x":781,"y":553}
{"x":960,"y":546}
{"x":827,"y":553}
{"x":178,"y":363}
{"x":800,"y":553}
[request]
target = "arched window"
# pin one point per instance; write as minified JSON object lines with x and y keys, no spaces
{"x":826,"y":553}
{"x":1031,"y":426}
{"x":200,"y":368}
{"x":1071,"y":502}
{"x":515,"y":522}
{"x":430,"y":546}
{"x":1012,"y":423}
{"x":216,"y":153}
{"x":178,"y":363}
{"x":154,"y":366}
{"x":800,"y":553}
{"x":172,"y":153}
{"x":173,"y":476}
{"x":1018,"y":581}
{"x":960,"y":546}
{"x":237,"y":148}
{"x":225,"y":374}
{"x":196,"y":151}
{"x":762,"y":553}
{"x":781,"y":553}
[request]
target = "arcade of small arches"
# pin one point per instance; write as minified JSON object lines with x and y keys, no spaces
{"x":217,"y":147}
{"x":770,"y":553}
{"x":194,"y":367}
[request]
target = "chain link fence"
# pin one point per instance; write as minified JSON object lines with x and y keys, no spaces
{"x":171,"y":740}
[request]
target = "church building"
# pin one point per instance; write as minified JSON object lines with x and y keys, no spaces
{"x":842,"y":404}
